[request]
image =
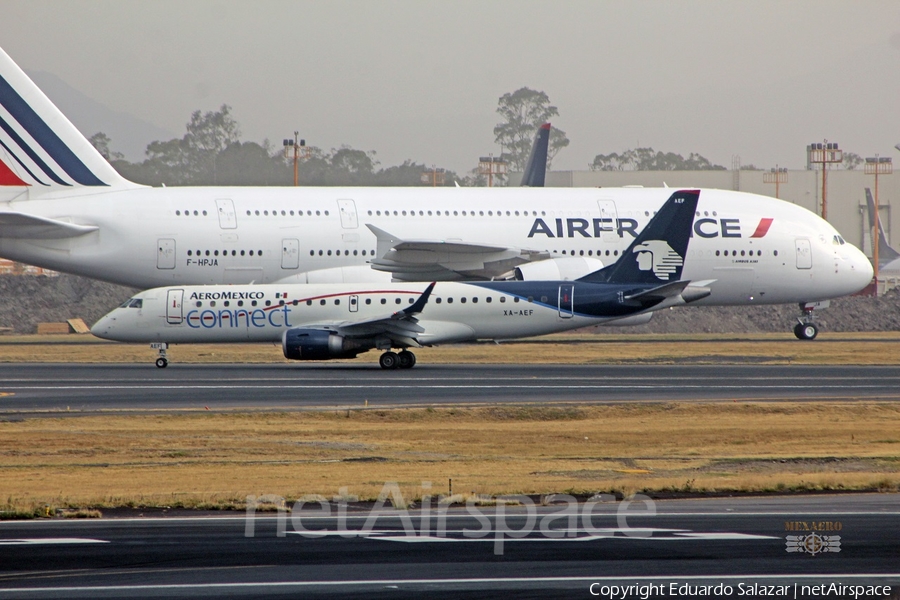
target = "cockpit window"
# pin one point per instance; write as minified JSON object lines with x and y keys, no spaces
{"x":838,"y":241}
{"x":126,"y":303}
{"x":136,"y":303}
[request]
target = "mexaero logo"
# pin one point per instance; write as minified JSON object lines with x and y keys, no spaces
{"x":658,"y":256}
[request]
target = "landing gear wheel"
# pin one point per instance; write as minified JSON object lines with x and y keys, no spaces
{"x":406,"y":360}
{"x":388,"y":360}
{"x":162,"y":363}
{"x":806,"y":331}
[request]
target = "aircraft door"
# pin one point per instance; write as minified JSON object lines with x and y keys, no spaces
{"x":290,"y":254}
{"x":347,"y":208}
{"x":354,"y":303}
{"x":804,"y":254}
{"x":165,"y":255}
{"x":227,"y":216}
{"x":174,"y":300}
{"x":566,"y":300}
{"x":608,"y":216}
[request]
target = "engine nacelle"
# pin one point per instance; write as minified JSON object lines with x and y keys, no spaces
{"x":554,"y":269}
{"x":317,"y":344}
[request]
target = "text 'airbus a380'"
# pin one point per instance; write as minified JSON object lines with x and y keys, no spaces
{"x":342,"y":320}
{"x":63,"y":207}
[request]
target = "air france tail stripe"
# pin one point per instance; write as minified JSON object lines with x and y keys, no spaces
{"x":18,"y":160}
{"x":31,"y":153}
{"x":7,"y":177}
{"x":43,"y":135}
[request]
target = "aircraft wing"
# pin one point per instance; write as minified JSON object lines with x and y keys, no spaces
{"x":446,"y":260}
{"x":18,"y":225}
{"x":400,"y":327}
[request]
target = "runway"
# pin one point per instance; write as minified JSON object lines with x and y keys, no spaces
{"x":517,"y":551}
{"x":50,"y":389}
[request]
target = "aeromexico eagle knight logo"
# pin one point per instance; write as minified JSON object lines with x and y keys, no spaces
{"x":658,"y":256}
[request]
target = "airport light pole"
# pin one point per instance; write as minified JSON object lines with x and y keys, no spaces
{"x":877,"y":165}
{"x":296,"y":149}
{"x":776,"y":176}
{"x":490,"y":166}
{"x":433,"y":176}
{"x":824,"y":153}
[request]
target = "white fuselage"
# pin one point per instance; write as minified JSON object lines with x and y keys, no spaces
{"x":754,"y":249}
{"x":455,"y":312}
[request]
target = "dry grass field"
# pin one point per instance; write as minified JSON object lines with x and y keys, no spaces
{"x":572,"y":348}
{"x":216,"y":460}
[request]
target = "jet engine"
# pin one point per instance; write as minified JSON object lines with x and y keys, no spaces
{"x":554,"y":269}
{"x":318,"y":344}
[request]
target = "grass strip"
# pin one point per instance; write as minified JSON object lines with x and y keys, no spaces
{"x":217,"y":460}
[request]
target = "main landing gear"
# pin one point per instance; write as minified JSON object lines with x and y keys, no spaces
{"x":403,"y":360}
{"x":162,"y":362}
{"x":806,"y":329}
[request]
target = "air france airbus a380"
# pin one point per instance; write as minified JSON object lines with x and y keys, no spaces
{"x":63,"y":207}
{"x":323,"y":321}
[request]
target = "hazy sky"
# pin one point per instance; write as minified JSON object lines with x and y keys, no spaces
{"x":420,"y":79}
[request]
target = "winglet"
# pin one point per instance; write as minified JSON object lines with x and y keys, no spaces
{"x":385,"y":241}
{"x":657,"y":254}
{"x":419,"y":304}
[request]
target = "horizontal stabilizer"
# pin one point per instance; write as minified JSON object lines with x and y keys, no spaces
{"x":17,"y":225}
{"x":657,"y":294}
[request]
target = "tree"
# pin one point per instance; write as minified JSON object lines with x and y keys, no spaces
{"x":646,"y":159}
{"x":523,"y":111}
{"x":100,"y":141}
{"x":249,"y":163}
{"x":852,"y":160}
{"x":192,"y":159}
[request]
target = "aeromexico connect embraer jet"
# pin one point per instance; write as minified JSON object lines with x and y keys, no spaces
{"x":341,"y":320}
{"x":63,"y":207}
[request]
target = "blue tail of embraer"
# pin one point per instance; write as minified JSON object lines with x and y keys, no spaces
{"x":536,"y":167}
{"x":886,"y":254}
{"x":657,"y":255}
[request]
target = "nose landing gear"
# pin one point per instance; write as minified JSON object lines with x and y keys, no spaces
{"x":162,"y":362}
{"x":806,"y":329}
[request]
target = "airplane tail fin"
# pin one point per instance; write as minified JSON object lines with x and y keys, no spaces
{"x":657,"y":254}
{"x":39,"y":147}
{"x":886,"y":254}
{"x":536,"y":167}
